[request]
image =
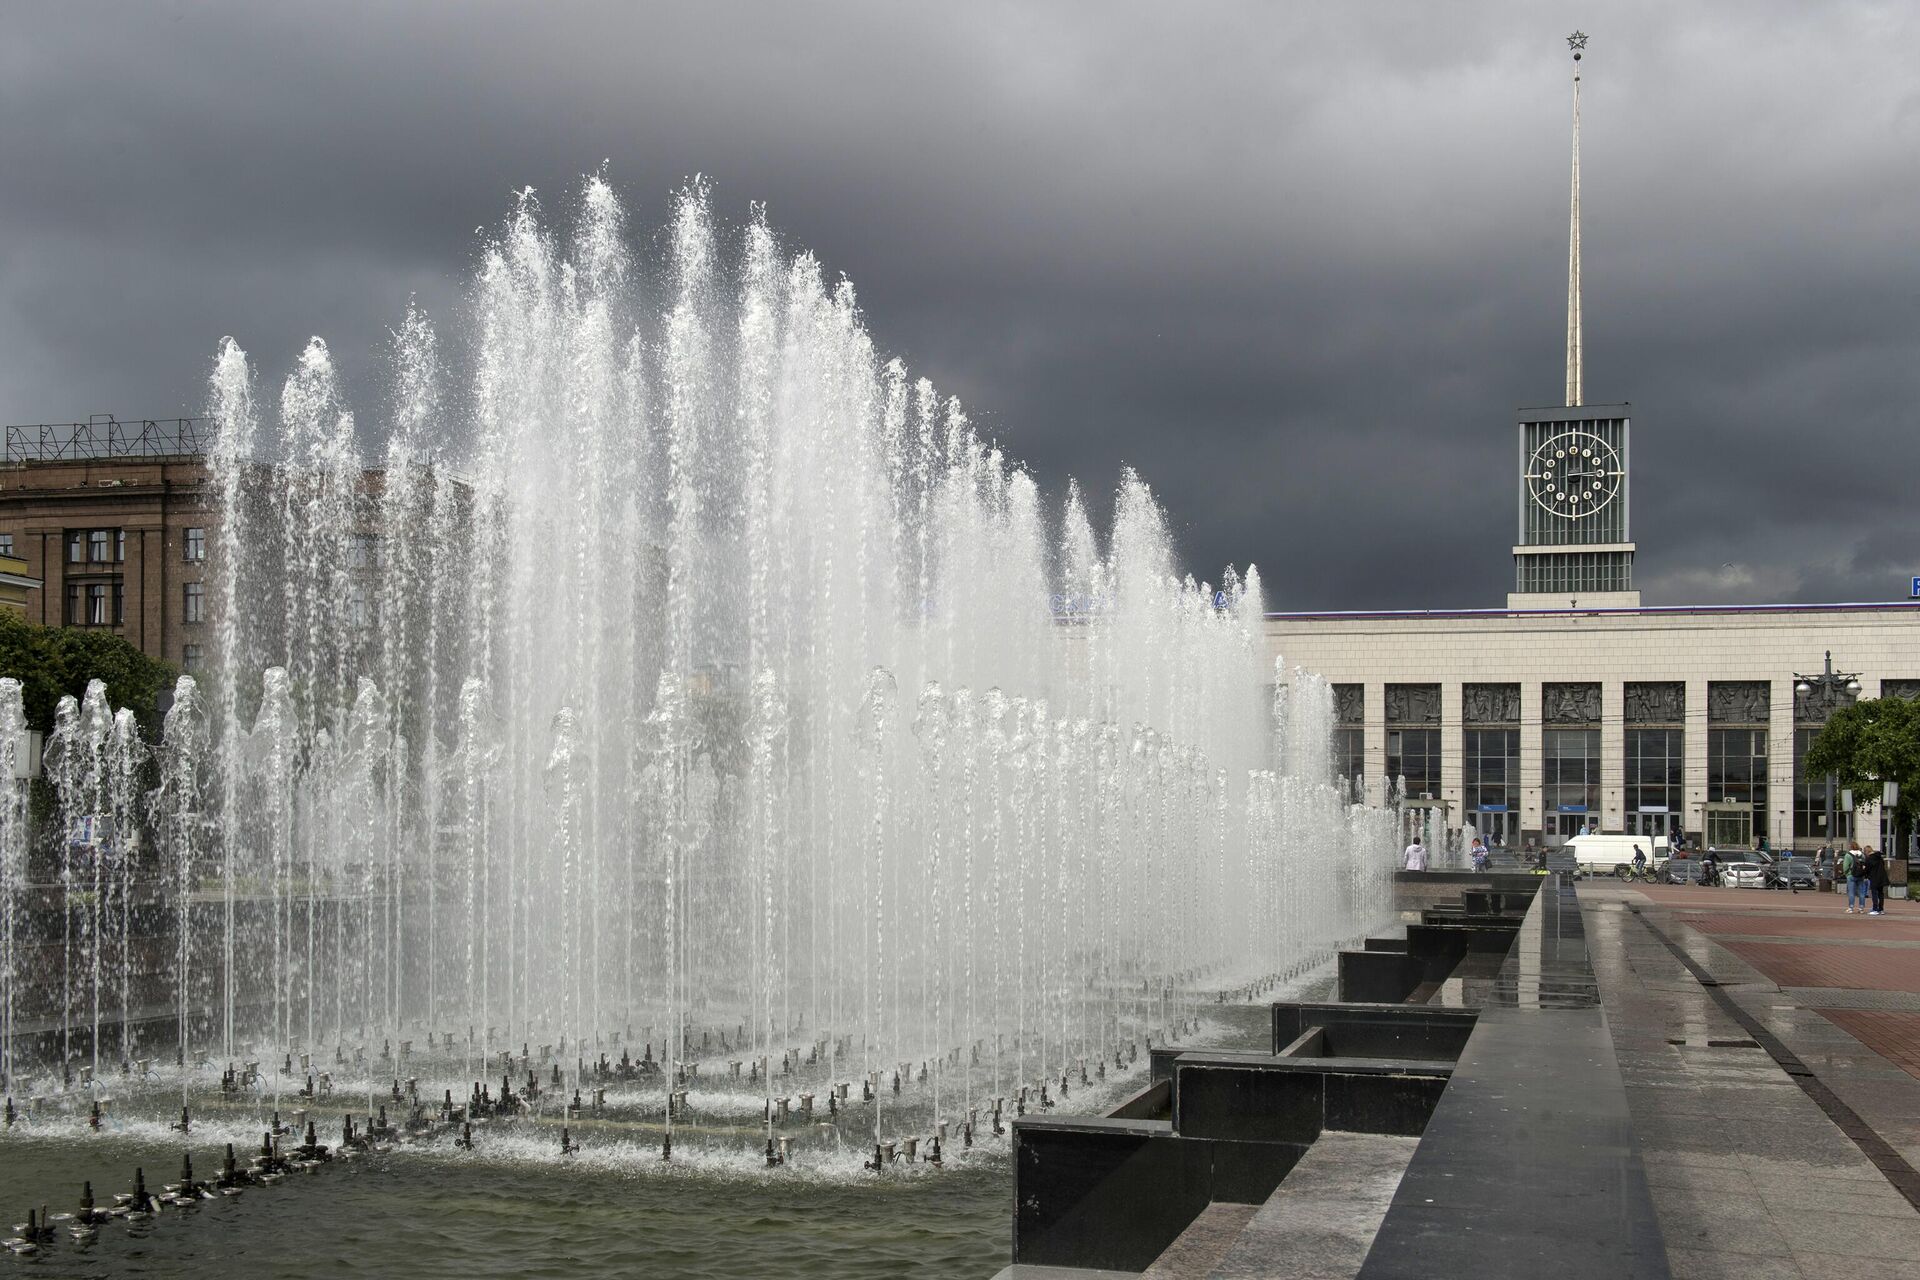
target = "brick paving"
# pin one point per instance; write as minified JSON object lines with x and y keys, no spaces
{"x":1813,"y":965}
{"x":1829,"y":926}
{"x":1818,"y":947}
{"x":1681,"y":897}
{"x":1894,"y":1036}
{"x":1834,"y":998}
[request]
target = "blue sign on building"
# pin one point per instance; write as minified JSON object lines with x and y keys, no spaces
{"x":1916,"y":588}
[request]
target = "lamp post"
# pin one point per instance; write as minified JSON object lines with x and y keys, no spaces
{"x":1830,"y":684}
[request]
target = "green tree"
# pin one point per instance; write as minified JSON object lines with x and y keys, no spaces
{"x":1873,"y":742}
{"x":53,"y":661}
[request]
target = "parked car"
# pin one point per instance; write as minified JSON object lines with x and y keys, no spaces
{"x":1684,"y":867}
{"x":1747,"y":870}
{"x":1795,"y":871}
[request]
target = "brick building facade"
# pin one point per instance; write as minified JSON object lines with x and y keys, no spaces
{"x":119,"y":544}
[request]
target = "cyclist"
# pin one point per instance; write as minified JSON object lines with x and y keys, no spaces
{"x":1639,"y":861}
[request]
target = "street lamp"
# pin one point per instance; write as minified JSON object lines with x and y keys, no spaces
{"x":1830,"y":683}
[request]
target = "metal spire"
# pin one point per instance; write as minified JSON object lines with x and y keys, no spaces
{"x":1576,"y":42}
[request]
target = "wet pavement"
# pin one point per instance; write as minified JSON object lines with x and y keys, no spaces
{"x":1771,"y":1049}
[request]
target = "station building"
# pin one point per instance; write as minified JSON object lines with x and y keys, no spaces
{"x":1575,"y":706}
{"x":1530,"y":724}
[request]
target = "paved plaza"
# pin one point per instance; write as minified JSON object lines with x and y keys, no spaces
{"x":1771,"y":1048}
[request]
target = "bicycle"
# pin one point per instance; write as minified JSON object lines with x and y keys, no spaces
{"x":1627,"y":873}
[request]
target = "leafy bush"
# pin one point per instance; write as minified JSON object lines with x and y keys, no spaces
{"x":53,"y":661}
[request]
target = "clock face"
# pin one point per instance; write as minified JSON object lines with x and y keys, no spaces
{"x":1574,"y":474}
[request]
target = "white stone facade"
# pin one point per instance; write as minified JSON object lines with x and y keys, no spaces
{"x":1881,"y":642}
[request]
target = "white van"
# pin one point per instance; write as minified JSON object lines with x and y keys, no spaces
{"x":1609,"y":855}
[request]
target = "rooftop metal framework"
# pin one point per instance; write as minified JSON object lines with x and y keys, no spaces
{"x":104,"y":436}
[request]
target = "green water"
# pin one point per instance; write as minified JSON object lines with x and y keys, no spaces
{"x":405,"y":1215}
{"x":515,"y":1206}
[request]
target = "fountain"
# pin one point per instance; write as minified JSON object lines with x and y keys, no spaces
{"x":678,"y":696}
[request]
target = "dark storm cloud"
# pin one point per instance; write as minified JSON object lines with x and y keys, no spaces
{"x":1297,"y":263}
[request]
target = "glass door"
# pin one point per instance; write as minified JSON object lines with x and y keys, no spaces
{"x":1729,"y":826}
{"x":1650,"y":824}
{"x":1562,"y":827}
{"x":1492,"y":825}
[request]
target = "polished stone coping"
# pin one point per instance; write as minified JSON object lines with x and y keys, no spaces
{"x":1326,"y":1213}
{"x":1529,"y":1165}
{"x":1441,"y":1067}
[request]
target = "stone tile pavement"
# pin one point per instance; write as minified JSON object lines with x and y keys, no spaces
{"x":1750,"y":1175}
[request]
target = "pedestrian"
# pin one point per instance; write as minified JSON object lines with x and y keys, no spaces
{"x":1479,"y":854}
{"x":1416,"y":856}
{"x":1853,"y":867}
{"x":1876,"y":875}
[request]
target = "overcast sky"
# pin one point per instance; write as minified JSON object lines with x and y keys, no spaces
{"x":1298,"y":263}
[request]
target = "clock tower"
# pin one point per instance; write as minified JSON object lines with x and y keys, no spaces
{"x":1574,"y":542}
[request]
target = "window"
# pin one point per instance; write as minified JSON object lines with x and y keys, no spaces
{"x":76,"y":547}
{"x":1810,"y":796}
{"x":196,"y":546}
{"x":196,"y":602}
{"x":1492,"y":764}
{"x":1349,"y":752}
{"x":1490,"y":761}
{"x":1413,"y":751}
{"x":363,"y":552}
{"x":6,"y":544}
{"x":97,"y":546}
{"x":1737,"y":768}
{"x":190,"y":657}
{"x":1414,"y":755}
{"x":1656,"y":770}
{"x":98,"y":604}
{"x":76,"y":606}
{"x":1570,"y":773}
{"x":119,"y":603}
{"x":120,"y":545}
{"x":1349,"y":733}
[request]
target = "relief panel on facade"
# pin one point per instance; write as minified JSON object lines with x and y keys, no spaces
{"x":1657,"y":702}
{"x":1490,"y":703}
{"x":1900,"y":688}
{"x":1413,"y":704}
{"x":1819,"y":702}
{"x":1570,"y":704}
{"x":1739,"y":702}
{"x":1349,"y":703}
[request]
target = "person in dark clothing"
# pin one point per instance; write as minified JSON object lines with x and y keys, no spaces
{"x":1877,"y":880}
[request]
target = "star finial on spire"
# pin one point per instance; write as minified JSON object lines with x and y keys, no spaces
{"x":1576,"y":42}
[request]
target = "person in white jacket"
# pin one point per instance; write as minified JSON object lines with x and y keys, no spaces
{"x":1416,"y":856}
